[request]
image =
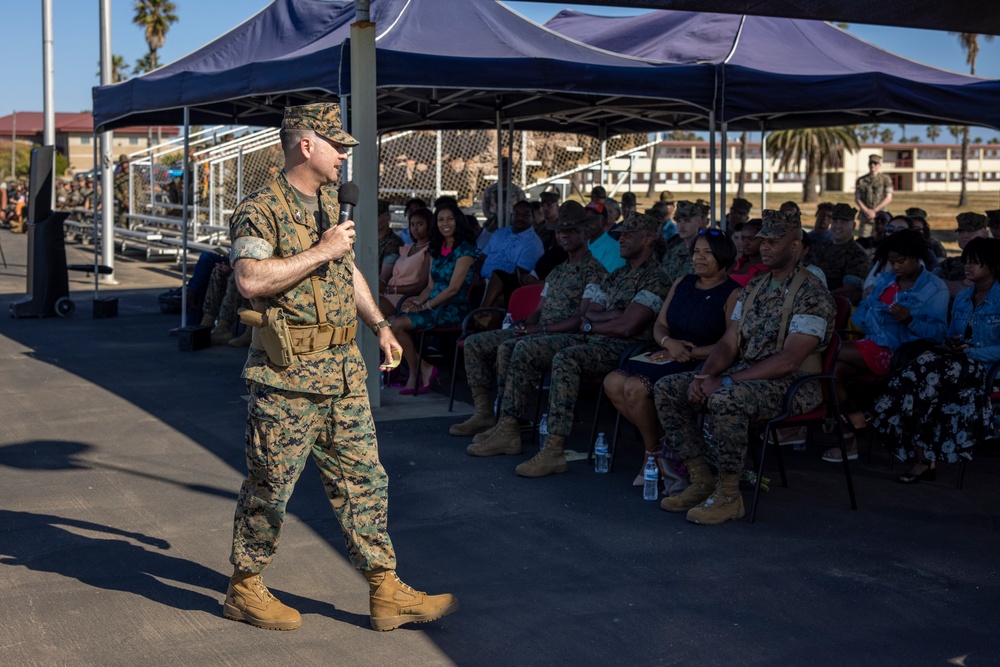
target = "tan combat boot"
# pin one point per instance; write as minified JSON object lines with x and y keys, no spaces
{"x":484,"y":436}
{"x":702,"y":486}
{"x":506,"y":439}
{"x":207,"y":320}
{"x":482,"y":419}
{"x":243,"y":340}
{"x":393,"y":603}
{"x":550,"y":461}
{"x":248,"y":600}
{"x":725,"y":504}
{"x":222,"y":333}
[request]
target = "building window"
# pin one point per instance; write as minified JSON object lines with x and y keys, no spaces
{"x":133,"y":141}
{"x":85,"y":140}
{"x":991,"y":154}
{"x":932,"y":153}
{"x":702,"y":153}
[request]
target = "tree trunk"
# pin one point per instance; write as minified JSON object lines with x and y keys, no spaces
{"x":812,"y":179}
{"x":963,"y":197}
{"x":651,"y":190}
{"x":742,"y":178}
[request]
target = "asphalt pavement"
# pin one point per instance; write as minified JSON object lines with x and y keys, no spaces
{"x":121,"y":458}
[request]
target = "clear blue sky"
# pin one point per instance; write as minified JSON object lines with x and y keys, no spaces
{"x":76,"y":28}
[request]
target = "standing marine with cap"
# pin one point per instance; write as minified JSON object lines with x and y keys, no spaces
{"x":296,"y":265}
{"x":872,"y":192}
{"x":782,"y":321}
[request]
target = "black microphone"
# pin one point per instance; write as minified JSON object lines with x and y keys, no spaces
{"x":348,"y":195}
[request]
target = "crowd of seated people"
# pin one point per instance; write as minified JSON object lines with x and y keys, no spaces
{"x":732,"y":358}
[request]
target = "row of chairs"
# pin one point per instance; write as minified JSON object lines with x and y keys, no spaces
{"x":524,"y":300}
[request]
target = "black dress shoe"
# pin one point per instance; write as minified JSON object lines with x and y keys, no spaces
{"x":928,"y":475}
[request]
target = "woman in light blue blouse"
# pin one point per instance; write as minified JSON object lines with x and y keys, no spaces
{"x":938,"y":407}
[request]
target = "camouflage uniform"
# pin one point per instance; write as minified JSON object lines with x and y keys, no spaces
{"x":222,"y":298}
{"x":677,"y":260}
{"x":572,"y":356}
{"x":732,"y":409}
{"x":563,"y":292}
{"x":318,"y":405}
{"x":842,"y":263}
{"x":388,"y":245}
{"x":952,"y":268}
{"x":871,"y":190}
{"x":121,"y":195}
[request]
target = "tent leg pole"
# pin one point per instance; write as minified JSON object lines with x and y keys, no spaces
{"x":364,"y":114}
{"x":725,"y":177}
{"x":437,"y":162}
{"x":184,"y":212}
{"x":763,"y":166}
{"x":524,"y":160}
{"x":604,"y":154}
{"x":501,"y":209}
{"x":347,"y":166}
{"x":711,"y":166}
{"x":510,"y":171}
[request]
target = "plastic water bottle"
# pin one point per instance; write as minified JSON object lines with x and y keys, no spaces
{"x":543,"y":430}
{"x":508,"y":321}
{"x":601,"y":454}
{"x":651,"y":480}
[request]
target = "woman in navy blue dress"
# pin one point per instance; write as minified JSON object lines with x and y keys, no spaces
{"x":693,"y":318}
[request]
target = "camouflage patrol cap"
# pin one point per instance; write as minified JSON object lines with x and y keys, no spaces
{"x":687,"y":209}
{"x":916,"y":213}
{"x":777,"y":224}
{"x":844,"y":212}
{"x":637,"y":222}
{"x":875,"y":157}
{"x":741,"y":205}
{"x":549,"y":197}
{"x":571,"y":215}
{"x":322,"y":118}
{"x":123,"y":159}
{"x":994,"y":217}
{"x":667,"y":195}
{"x":971,"y":222}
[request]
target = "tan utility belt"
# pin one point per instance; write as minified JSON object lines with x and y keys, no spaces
{"x":284,"y":342}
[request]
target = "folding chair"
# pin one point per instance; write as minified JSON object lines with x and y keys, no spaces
{"x":828,"y":409}
{"x":523,"y":302}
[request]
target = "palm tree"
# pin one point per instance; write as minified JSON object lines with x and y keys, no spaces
{"x":155,"y":18}
{"x":933,"y":132}
{"x":816,"y":148}
{"x":970,"y":44}
{"x":885,"y":136}
{"x":651,"y":188}
{"x":119,"y":70}
{"x":742,"y":178}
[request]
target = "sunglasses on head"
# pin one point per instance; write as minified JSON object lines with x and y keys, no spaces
{"x":710,"y":232}
{"x":889,"y":229}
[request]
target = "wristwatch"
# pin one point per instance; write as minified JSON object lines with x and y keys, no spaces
{"x":728,"y":381}
{"x":378,"y":326}
{"x":587,"y":326}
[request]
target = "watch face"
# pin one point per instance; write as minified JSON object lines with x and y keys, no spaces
{"x":586,"y":327}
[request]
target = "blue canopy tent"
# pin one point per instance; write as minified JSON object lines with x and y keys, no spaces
{"x":440,"y":64}
{"x":792,"y":73}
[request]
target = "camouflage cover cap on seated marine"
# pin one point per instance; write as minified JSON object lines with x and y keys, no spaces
{"x":778,"y":223}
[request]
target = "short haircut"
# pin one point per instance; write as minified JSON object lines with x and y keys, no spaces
{"x":415,"y":201}
{"x":984,"y":251}
{"x":792,"y":205}
{"x":825,"y":206}
{"x":908,"y":243}
{"x":291,"y":138}
{"x":722,"y":247}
